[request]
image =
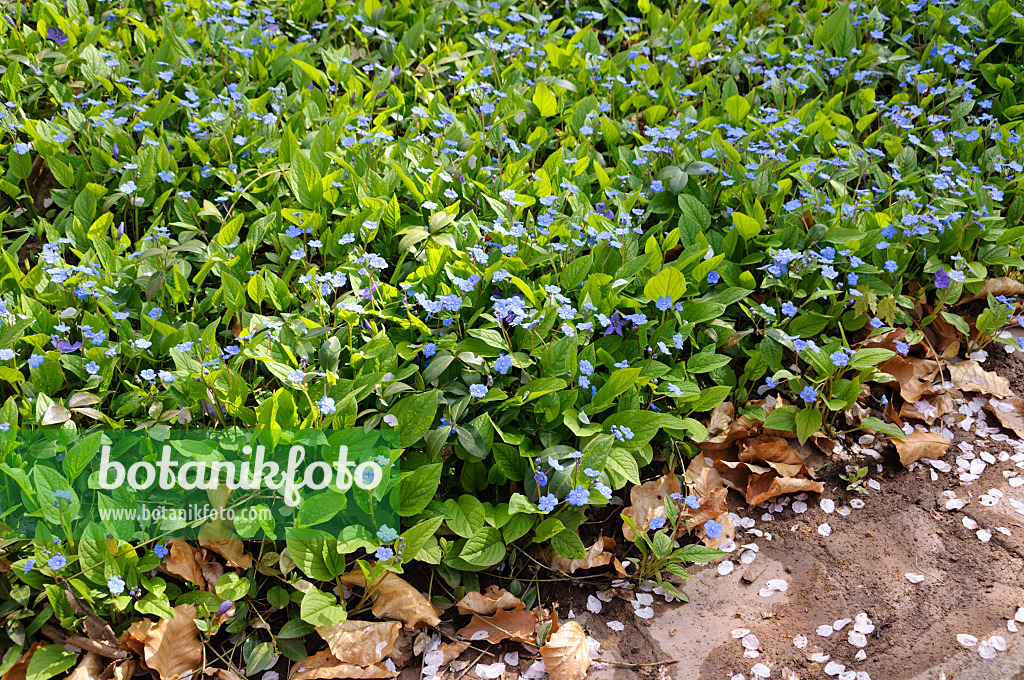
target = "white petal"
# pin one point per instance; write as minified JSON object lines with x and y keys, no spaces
{"x":914,"y":578}
{"x":966,"y":640}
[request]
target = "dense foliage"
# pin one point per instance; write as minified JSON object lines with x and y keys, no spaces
{"x":541,"y":241}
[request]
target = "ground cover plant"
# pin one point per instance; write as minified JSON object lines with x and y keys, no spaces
{"x":548,"y":247}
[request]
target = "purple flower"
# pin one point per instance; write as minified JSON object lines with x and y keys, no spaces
{"x":225,"y":607}
{"x":58,"y":36}
{"x":615,"y":324}
{"x":63,"y":346}
{"x":941,"y":279}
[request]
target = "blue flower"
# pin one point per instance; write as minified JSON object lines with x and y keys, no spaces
{"x":29,"y":564}
{"x":326,"y":405}
{"x":578,"y":496}
{"x":692,"y":502}
{"x":808,"y":394}
{"x":902,"y":347}
{"x":664,"y":303}
{"x":36,"y":360}
{"x":128,"y":187}
{"x":657,"y":523}
{"x":57,"y":562}
{"x":503,"y":363}
{"x":789,"y":309}
{"x":479,"y":391}
{"x":383,"y":554}
{"x":160,"y":551}
{"x":941,"y":279}
{"x":541,"y":478}
{"x":586,"y":368}
{"x":387,"y":534}
{"x":429,"y":349}
{"x":115,"y":584}
{"x":547,"y":503}
{"x":839,"y":358}
{"x":712,"y":528}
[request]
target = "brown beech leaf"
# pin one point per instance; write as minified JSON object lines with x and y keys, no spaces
{"x":776,"y":453}
{"x":761,"y":488}
{"x":566,"y":655}
{"x":223,"y":674}
{"x":518,"y":623}
{"x":1009,"y":413}
{"x":183,"y":560}
{"x":452,"y":650}
{"x":721,"y":418}
{"x":999,"y":286}
{"x":920,"y":444}
{"x":488,"y":602}
{"x":913,"y":375}
{"x":647,"y":501}
{"x":232,"y":551}
{"x":125,"y":670}
{"x":134,"y":637}
{"x":596,"y":557}
{"x":173,"y":647}
{"x":90,"y":667}
{"x":969,"y":376}
{"x":361,"y":643}
{"x":928,"y":409}
{"x":20,"y":667}
{"x":323,"y":666}
{"x":723,"y":443}
{"x":393,"y":598}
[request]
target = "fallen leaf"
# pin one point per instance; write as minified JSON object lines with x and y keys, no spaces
{"x":595,"y":557}
{"x":173,"y":647}
{"x":969,"y":376}
{"x":761,"y":488}
{"x":738,"y":429}
{"x":393,"y":598}
{"x":126,"y":669}
{"x":134,"y":637}
{"x":518,"y":623}
{"x":920,"y":444}
{"x":999,"y":286}
{"x":323,"y":666}
{"x":232,"y":551}
{"x":721,"y":418}
{"x":20,"y":667}
{"x":223,"y":674}
{"x":452,"y":650}
{"x":566,"y":655}
{"x":913,"y":375}
{"x":89,"y":667}
{"x":647,"y":501}
{"x":183,"y":560}
{"x":488,"y":602}
{"x":1009,"y":413}
{"x":776,"y":453}
{"x":361,"y":643}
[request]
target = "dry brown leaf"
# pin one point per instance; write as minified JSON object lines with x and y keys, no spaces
{"x":913,"y":375}
{"x":488,"y":602}
{"x":920,"y":444}
{"x":928,"y":409}
{"x":647,"y":501}
{"x":761,"y":488}
{"x":1009,"y":413}
{"x":720,"y":445}
{"x":596,"y":557}
{"x":173,"y":647}
{"x":969,"y":376}
{"x":361,"y":643}
{"x":223,"y":674}
{"x":89,"y":667}
{"x":721,"y":418}
{"x":518,"y":623}
{"x":323,"y":666}
{"x":566,"y":655}
{"x":776,"y":453}
{"x":183,"y":560}
{"x":452,"y":650}
{"x":20,"y":667}
{"x":126,"y":669}
{"x":134,"y":637}
{"x":393,"y":598}
{"x":231,"y":550}
{"x":999,"y":286}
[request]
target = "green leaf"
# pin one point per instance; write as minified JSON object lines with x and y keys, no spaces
{"x":48,"y":661}
{"x":668,"y":282}
{"x":569,"y":545}
{"x":674,"y":177}
{"x":484,"y":548}
{"x":319,"y":507}
{"x":321,"y":609}
{"x":747,"y":226}
{"x":545,"y":100}
{"x":415,"y":414}
{"x":618,"y":382}
{"x":698,"y":554}
{"x":876,"y":425}
{"x":808,"y":421}
{"x":416,"y":536}
{"x":417,"y":488}
{"x":782,"y":418}
{"x":315,"y":553}
{"x":737,"y":107}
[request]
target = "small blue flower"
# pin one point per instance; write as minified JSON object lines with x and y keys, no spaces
{"x":384,"y":554}
{"x":712,"y":528}
{"x":326,"y":405}
{"x":713,"y":277}
{"x":541,"y":479}
{"x":160,"y":551}
{"x":429,"y":349}
{"x":839,"y":358}
{"x":664,"y":303}
{"x":547,"y":503}
{"x":29,"y":564}
{"x":387,"y":534}
{"x":578,"y":496}
{"x":657,"y":523}
{"x":128,"y":187}
{"x":692,"y":502}
{"x":115,"y":584}
{"x":478,"y":391}
{"x":808,"y":394}
{"x":503,"y":363}
{"x":57,"y":562}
